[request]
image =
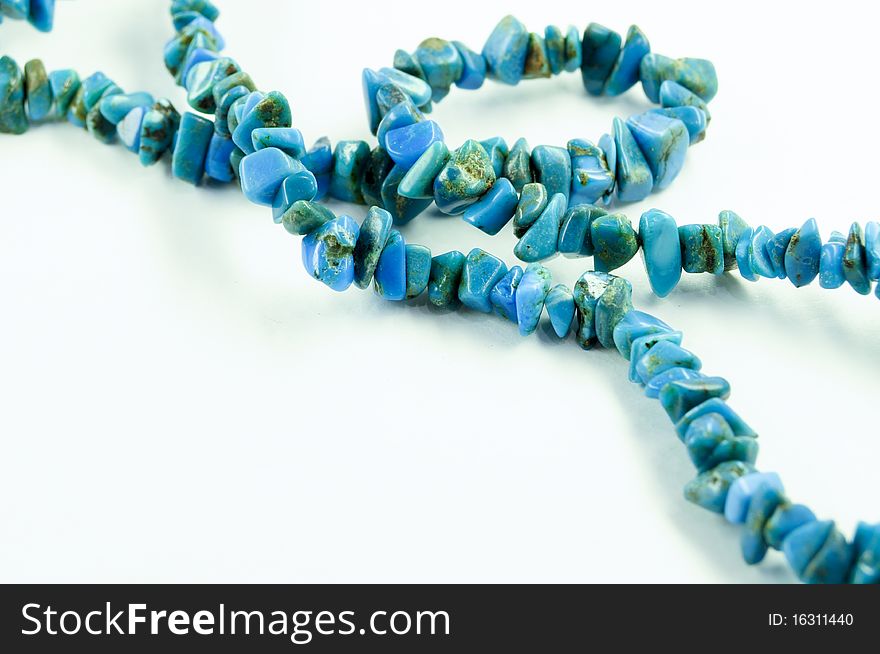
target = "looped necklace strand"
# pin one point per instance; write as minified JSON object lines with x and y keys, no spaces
{"x":554,"y":196}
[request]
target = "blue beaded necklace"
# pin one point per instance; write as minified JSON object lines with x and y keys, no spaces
{"x":543,"y":192}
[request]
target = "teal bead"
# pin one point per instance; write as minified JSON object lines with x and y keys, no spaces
{"x":205,"y":8}
{"x":763,"y":504}
{"x":693,"y":119}
{"x":201,"y":79}
{"x":94,"y":86}
{"x":552,"y":168}
{"x":539,"y":242}
{"x":406,"y":63}
{"x":64,"y":85}
{"x":349,"y":160}
{"x":374,"y":174}
{"x":831,"y":265}
{"x":599,"y":51}
{"x":370,"y":83}
{"x":702,"y":248}
{"x":373,"y":235}
{"x":625,"y":72}
{"x":406,"y":144}
{"x":464,"y":179}
{"x":402,"y":209}
{"x":116,"y":107}
{"x":505,"y":51}
{"x":575,"y":239}
{"x":503,"y":294}
{"x":41,"y":14}
{"x":872,"y":250}
{"x":418,"y":270}
{"x":802,"y":254}
{"x":400,"y":115}
{"x":418,"y":182}
{"x":710,"y":442}
{"x":530,"y":296}
{"x":518,"y":165}
{"x":157,"y":131}
{"x":496,"y":148}
{"x":218,"y":166}
{"x":742,"y":491}
{"x":635,"y":325}
{"x":304,"y":217}
{"x":759,"y":258}
{"x":473,"y":72}
{"x":653,"y":387}
{"x":866,"y":555}
{"x":389,"y":281}
{"x":13,"y":119}
{"x":287,"y":139}
{"x":785,"y":519}
{"x":634,"y":178}
{"x":591,"y":177}
{"x":15,"y":9}
{"x":537,"y":59}
{"x":555,"y":42}
{"x":615,"y":241}
{"x":664,"y":356}
{"x":642,"y":344}
{"x":674,"y":95}
{"x":776,"y":251}
{"x":855,"y":264}
{"x":818,"y":553}
{"x":418,"y":90}
{"x":263,"y":172}
{"x":222,"y":113}
{"x":37,"y":90}
{"x":441,"y":64}
{"x":719,"y":406}
{"x":587,"y":291}
{"x":225,"y":85}
{"x":319,"y":160}
{"x":709,"y":489}
{"x":446,"y":270}
{"x":560,"y":309}
{"x":271,"y":110}
{"x":327,"y":252}
{"x":298,"y":185}
{"x":480,"y":274}
{"x":614,"y":304}
{"x":494,"y":210}
{"x":661,"y":250}
{"x":533,"y":200}
{"x":742,"y":256}
{"x":696,"y":75}
{"x":664,"y":142}
{"x":389,"y":95}
{"x":572,"y":49}
{"x":681,"y":396}
{"x":191,"y":149}
{"x":129,"y":129}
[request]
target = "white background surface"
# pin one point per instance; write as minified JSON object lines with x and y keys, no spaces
{"x":180,"y":402}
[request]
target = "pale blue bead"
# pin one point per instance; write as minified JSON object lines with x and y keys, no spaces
{"x":327,"y":252}
{"x":587,"y":291}
{"x":872,"y":250}
{"x":552,"y":168}
{"x":625,"y":72}
{"x":609,"y":147}
{"x":418,"y":183}
{"x":129,"y":128}
{"x":402,"y":209}
{"x":635,"y":325}
{"x":262,"y":173}
{"x":532,"y":201}
{"x":417,"y":89}
{"x":64,"y":85}
{"x":555,"y":42}
{"x":612,"y":306}
{"x":664,"y":356}
{"x":664,"y":142}
{"x":742,"y":255}
{"x":866,"y":556}
{"x":196,"y":56}
{"x":406,"y":144}
{"x":759,"y":258}
{"x":418,"y":270}
{"x":116,"y":107}
{"x":400,"y":115}
{"x":709,"y":489}
{"x":300,"y":185}
{"x":505,"y":51}
{"x":530,"y":296}
{"x":496,"y":148}
{"x":217,"y":164}
{"x":694,"y":120}
{"x":653,"y":387}
{"x":370,"y":83}
{"x":464,"y":179}
{"x":373,"y":235}
{"x":591,"y":177}
{"x":661,"y":250}
{"x":441,"y":64}
{"x":831,"y":265}
{"x":191,"y":148}
{"x":41,"y":14}
{"x":575,"y":239}
{"x":644,"y":343}
{"x":714,"y":405}
{"x":503,"y":294}
{"x":272,"y":110}
{"x":634,"y":178}
{"x":480,"y":274}
{"x":560,"y":309}
{"x":539,"y":242}
{"x":205,"y":22}
{"x":776,"y":251}
{"x":673,"y":94}
{"x":495,"y":209}
{"x":697,"y":75}
{"x":389,"y":281}
{"x":572,"y":49}
{"x":802,"y":254}
{"x":854,"y":262}
{"x":287,"y":139}
{"x":818,"y":553}
{"x":741,"y":492}
{"x":473,"y":67}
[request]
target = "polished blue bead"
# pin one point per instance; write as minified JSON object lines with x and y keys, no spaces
{"x":664,"y":142}
{"x":197,"y":56}
{"x":389,"y":280}
{"x":818,"y":553}
{"x":370,"y":83}
{"x":674,"y":95}
{"x":759,"y":257}
{"x":418,"y":270}
{"x":327,"y":252}
{"x":661,"y":250}
{"x":191,"y":148}
{"x":696,"y":75}
{"x":681,"y":396}
{"x":662,"y":357}
{"x":732,"y":228}
{"x":496,"y":148}
{"x":776,"y":251}
{"x":41,"y":14}
{"x":406,"y":144}
{"x":560,"y":309}
{"x":555,"y":42}
{"x":634,"y":178}
{"x":642,"y":344}
{"x":572,"y":49}
{"x":702,"y":248}
{"x":831,"y":265}
{"x":441,"y":63}
{"x":464,"y":179}
{"x":505,"y":51}
{"x":741,"y":492}
{"x":116,"y":107}
{"x":764,"y":503}
{"x":407,"y":63}
{"x":129,"y":129}
{"x":872,"y":250}
{"x":37,"y":90}
{"x":402,"y":209}
{"x":533,"y":200}
{"x":552,"y":168}
{"x":866,"y":555}
{"x":418,"y":182}
{"x":222,"y":113}
{"x":599,"y":51}
{"x":262,"y":173}
{"x":64,"y":85}
{"x":802,"y":254}
{"x":530,"y":296}
{"x":518,"y":165}
{"x":495,"y":209}
{"x":158,"y":129}
{"x":785,"y":520}
{"x":94,"y":86}
{"x":575,"y":239}
{"x":587,"y":291}
{"x":417,"y":89}
{"x":374,"y":232}
{"x":653,"y":387}
{"x":591,"y":177}
{"x":15,"y":9}
{"x":855,"y":267}
{"x":304,"y":217}
{"x":300,"y":185}
{"x":742,"y":256}
{"x":714,"y":405}
{"x":480,"y":274}
{"x":217,"y":165}
{"x":612,"y":306}
{"x":539,"y":242}
{"x":400,"y":115}
{"x":503,"y":294}
{"x":271,"y":110}
{"x":625,"y":72}
{"x":287,"y":139}
{"x":709,"y":489}
{"x":634,"y":325}
{"x":609,"y":147}
{"x":205,"y":22}
{"x":710,"y":441}
{"x":473,"y":72}
{"x":202,"y":78}
{"x":694,"y":120}
{"x":614,"y":240}
{"x":319,"y":160}
{"x":349,"y":160}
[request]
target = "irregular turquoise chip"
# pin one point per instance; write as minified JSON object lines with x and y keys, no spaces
{"x":418,"y":182}
{"x":406,"y":144}
{"x":575,"y":239}
{"x":271,"y":110}
{"x":191,"y":150}
{"x":634,"y":178}
{"x":441,"y":63}
{"x":495,"y":209}
{"x":818,"y":553}
{"x":732,"y":228}
{"x":552,"y":168}
{"x":406,"y":63}
{"x":375,"y":172}
{"x":129,"y":129}
{"x":304,"y":217}
{"x":480,"y":274}
{"x":591,"y":177}
{"x":709,"y":489}
{"x":710,"y":442}
{"x":625,"y":72}
{"x":287,"y":139}
{"x":370,"y":83}
{"x":402,"y":209}
{"x":496,"y":148}
{"x":158,"y":128}
{"x":665,"y":356}
{"x":759,"y":256}
{"x":653,"y":387}
{"x":664,"y":142}
{"x":555,"y":42}
{"x":633,"y":326}
{"x":503,"y":294}
{"x":445,"y":277}
{"x":418,"y":270}
{"x":802,"y":254}
{"x":661,"y":250}
{"x":349,"y":160}
{"x":587,"y":291}
{"x":599,"y":51}
{"x":764,"y":503}
{"x":466,"y":176}
{"x":866,"y":555}
{"x":776,"y":250}
{"x":739,"y":497}
{"x":612,"y":306}
{"x":693,"y":119}
{"x":298,"y":185}
{"x":532,"y":202}
{"x":641,"y":345}
{"x":785,"y":519}
{"x":560,"y":309}
{"x":518,"y":165}
{"x":219,"y":167}
{"x":389,"y":281}
{"x":614,"y":240}
{"x":373,"y":235}
{"x":327,"y":252}
{"x":64,"y":84}
{"x":473,"y":72}
{"x":537,"y":60}
{"x":572,"y":49}
{"x":714,"y":405}
{"x":696,"y":75}
{"x":742,"y":256}
{"x":681,"y":396}
{"x":530,"y":295}
{"x":13,"y":119}
{"x":116,"y":107}
{"x":872,"y":250}
{"x":539,"y":242}
{"x":37,"y":90}
{"x":831,"y":265}
{"x":674,"y":95}
{"x":505,"y":51}
{"x":702,"y":248}
{"x":400,"y":115}
{"x":417,"y":89}
{"x":319,"y":160}
{"x":855,"y":265}
{"x":262,"y":172}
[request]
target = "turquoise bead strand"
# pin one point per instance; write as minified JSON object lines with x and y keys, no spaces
{"x":39,"y":13}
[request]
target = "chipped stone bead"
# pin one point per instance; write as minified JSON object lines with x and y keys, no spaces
{"x":785,"y":519}
{"x":831,"y":264}
{"x":696,"y":75}
{"x":693,"y":119}
{"x":530,"y":295}
{"x":539,"y":242}
{"x":374,"y":174}
{"x":370,"y":83}
{"x":402,"y":209}
{"x":661,"y":250}
{"x":418,"y":270}
{"x":710,"y":442}
{"x":560,"y":309}
{"x":572,"y":49}
{"x":63,"y":85}
{"x":640,"y":346}
{"x":217,"y":163}
{"x":37,"y":90}
{"x":709,"y":489}
{"x":732,"y":228}
{"x":554,"y":40}
{"x":633,"y":177}
{"x":701,"y":248}
{"x":389,"y":95}
{"x":287,"y":139}
{"x":13,"y":119}
{"x":614,"y":304}
{"x":575,"y":239}
{"x":518,"y":166}
{"x":855,"y":267}
{"x":614,"y":240}
{"x":446,"y":270}
{"x":495,"y":209}
{"x":15,"y":9}
{"x":872,"y":250}
{"x":222,"y":113}
{"x":304,"y":217}
{"x":99,"y":127}
{"x":674,"y":95}
{"x":157,"y":131}
{"x":417,"y":89}
{"x":116,"y":107}
{"x":406,"y":144}
{"x":866,"y":555}
{"x":714,"y":405}
{"x":349,"y":159}
{"x":201,"y":78}
{"x":225,"y":85}
{"x":327,"y":252}
{"x":533,"y":200}
{"x":625,"y":72}
{"x":599,"y":51}
{"x":441,"y":63}
{"x":41,"y":14}
{"x":473,"y":67}
{"x":634,"y":325}
{"x":742,"y":256}
{"x":496,"y":148}
{"x":662,"y":357}
{"x":373,"y":234}
{"x":587,"y":291}
{"x":653,"y":387}
{"x":205,"y":8}
{"x":552,"y":168}
{"x":389,"y":280}
{"x":405,"y":62}
{"x":776,"y":251}
{"x":681,"y":396}
{"x":537,"y":60}
{"x":759,"y":259}
{"x":191,"y":149}
{"x":664,"y":142}
{"x":129,"y":129}
{"x":319,"y":160}
{"x":400,"y":115}
{"x":262,"y":173}
{"x":196,"y":56}
{"x":741,"y":492}
{"x":94,"y":87}
{"x":763,"y":504}
{"x":818,"y":553}
{"x":299,"y":185}
{"x":418,"y":182}
{"x":591,"y":178}
{"x":480,"y":274}
{"x":505,"y":51}
{"x":802,"y":254}
{"x":466,"y":176}
{"x":503,"y":294}
{"x":272,"y":110}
